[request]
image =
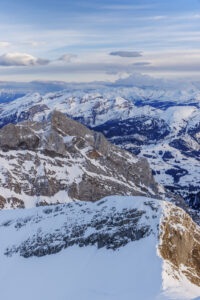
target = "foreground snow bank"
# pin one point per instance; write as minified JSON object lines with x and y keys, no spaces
{"x":98,"y":251}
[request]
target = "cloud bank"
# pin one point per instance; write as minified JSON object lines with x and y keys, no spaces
{"x":126,"y":53}
{"x":21,"y":59}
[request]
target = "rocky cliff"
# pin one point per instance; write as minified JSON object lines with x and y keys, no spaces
{"x":59,"y":160}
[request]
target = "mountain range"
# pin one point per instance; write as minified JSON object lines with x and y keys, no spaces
{"x":99,"y":195}
{"x":146,"y":123}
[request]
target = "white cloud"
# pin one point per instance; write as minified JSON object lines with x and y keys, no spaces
{"x":67,"y":57}
{"x":4,"y":44}
{"x":21,"y":59}
{"x":36,"y":44}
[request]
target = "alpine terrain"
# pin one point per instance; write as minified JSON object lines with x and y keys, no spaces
{"x":99,"y":150}
{"x":116,"y":248}
{"x":99,"y":197}
{"x":162,"y":125}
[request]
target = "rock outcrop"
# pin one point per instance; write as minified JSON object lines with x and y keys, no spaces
{"x":180,"y":243}
{"x":60,"y":159}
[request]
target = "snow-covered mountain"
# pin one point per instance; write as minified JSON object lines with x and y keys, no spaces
{"x":59,"y":160}
{"x":7,"y":95}
{"x":161,"y":125}
{"x":118,"y":248}
{"x":75,"y":240}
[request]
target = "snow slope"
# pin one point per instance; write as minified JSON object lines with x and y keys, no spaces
{"x":82,"y":270}
{"x":85,"y":273}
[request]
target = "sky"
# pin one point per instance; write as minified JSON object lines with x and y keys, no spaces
{"x":83,"y":41}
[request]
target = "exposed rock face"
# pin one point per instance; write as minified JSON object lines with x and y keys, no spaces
{"x":112,"y":231}
{"x":58,"y":160}
{"x":18,"y":137}
{"x":180,"y":243}
{"x":2,"y":202}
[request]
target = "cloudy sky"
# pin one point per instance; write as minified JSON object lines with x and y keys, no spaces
{"x":98,"y":40}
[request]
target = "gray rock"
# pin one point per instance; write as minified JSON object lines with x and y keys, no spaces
{"x":63,"y":155}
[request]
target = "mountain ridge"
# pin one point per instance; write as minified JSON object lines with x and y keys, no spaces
{"x":60,"y":160}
